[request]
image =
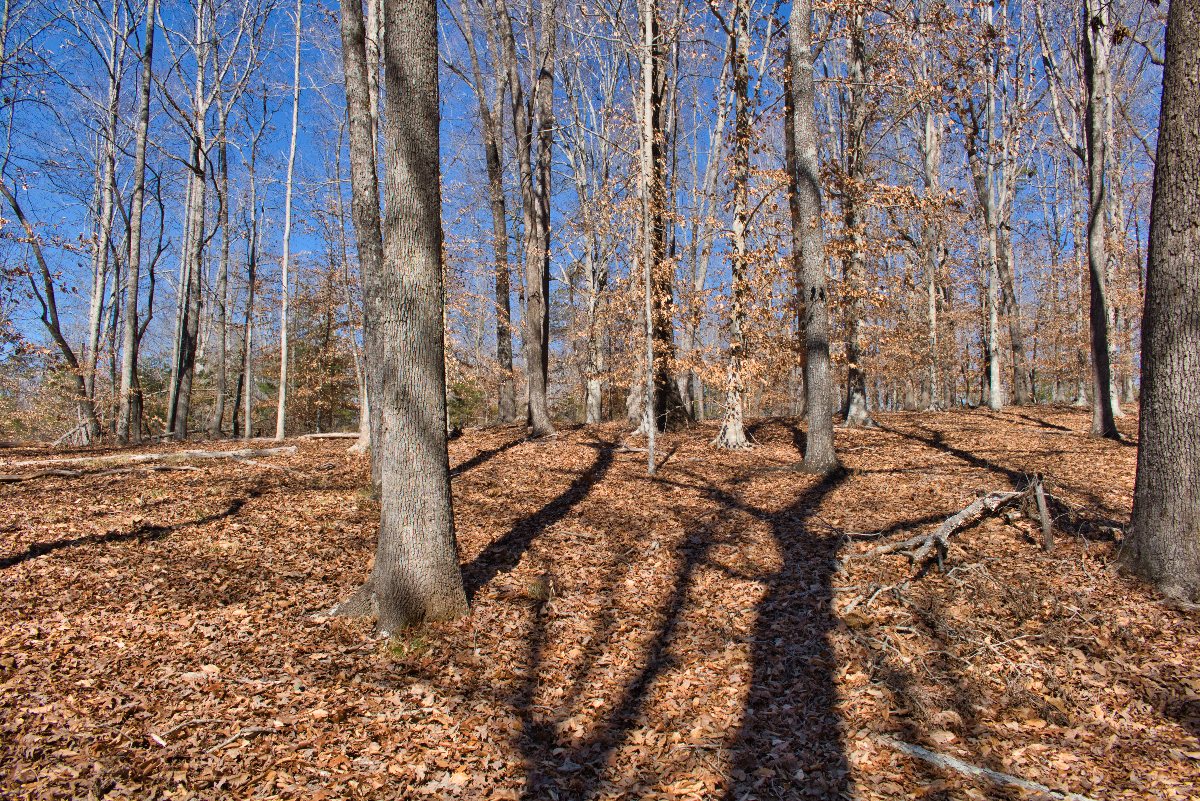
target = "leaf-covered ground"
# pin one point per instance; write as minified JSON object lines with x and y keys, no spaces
{"x":700,"y":635}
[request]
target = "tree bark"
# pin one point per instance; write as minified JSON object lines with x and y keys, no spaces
{"x":732,"y":434}
{"x":857,"y":408}
{"x":221,"y":290}
{"x":192,"y":258}
{"x":1097,"y":38}
{"x":107,"y":174}
{"x":1164,"y":536}
{"x":129,"y":415}
{"x":416,"y":577}
{"x":285,"y":290}
{"x":807,"y":234}
{"x":490,"y":111}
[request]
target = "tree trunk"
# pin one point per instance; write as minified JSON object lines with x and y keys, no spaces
{"x":416,"y":577}
{"x":221,"y":290}
{"x":819,"y":454}
{"x":1022,"y":392}
{"x":1164,"y":536}
{"x":101,"y":264}
{"x":493,"y":148}
{"x":281,"y":406}
{"x":192,"y":266}
{"x":1097,"y":36}
{"x":364,"y":204}
{"x":732,"y":434}
{"x":537,"y":251}
{"x":129,"y":416}
{"x":856,"y":410}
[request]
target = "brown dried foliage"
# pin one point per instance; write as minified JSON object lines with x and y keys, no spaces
{"x":677,"y":637}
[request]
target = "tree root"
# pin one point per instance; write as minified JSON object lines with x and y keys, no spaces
{"x":361,"y":604}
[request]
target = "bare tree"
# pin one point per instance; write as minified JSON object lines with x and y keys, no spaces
{"x":285,"y":263}
{"x":808,"y":237}
{"x":416,"y":577}
{"x":129,"y":415}
{"x":491,"y":111}
{"x":732,"y":434}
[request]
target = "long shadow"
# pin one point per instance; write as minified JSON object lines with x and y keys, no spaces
{"x":481,"y":457}
{"x":789,"y":744}
{"x":790,"y":741}
{"x":1040,"y":423}
{"x":504,"y":554}
{"x":146,"y":532}
{"x":937,"y":441}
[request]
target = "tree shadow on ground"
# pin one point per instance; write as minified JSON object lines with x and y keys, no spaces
{"x":481,"y":457}
{"x":145,"y":532}
{"x":503,"y":554}
{"x":789,"y":742}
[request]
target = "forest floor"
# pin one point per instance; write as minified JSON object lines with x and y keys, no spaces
{"x":699,"y":635}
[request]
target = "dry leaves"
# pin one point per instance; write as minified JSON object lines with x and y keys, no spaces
{"x":675,"y":638}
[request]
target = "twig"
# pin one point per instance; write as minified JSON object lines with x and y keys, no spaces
{"x":246,"y":732}
{"x":974,"y":771}
{"x":184,"y":725}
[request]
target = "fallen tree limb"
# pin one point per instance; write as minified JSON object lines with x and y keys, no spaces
{"x":333,"y":435}
{"x":140,"y":458}
{"x":12,"y":478}
{"x":918,"y":548}
{"x":974,"y":771}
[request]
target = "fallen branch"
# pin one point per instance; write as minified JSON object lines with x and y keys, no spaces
{"x":333,"y":435}
{"x":12,"y":478}
{"x":918,"y":548}
{"x":139,"y":458}
{"x":967,"y":769}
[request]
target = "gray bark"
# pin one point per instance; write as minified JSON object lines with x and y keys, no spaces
{"x":1097,"y":42}
{"x":416,"y":577}
{"x":808,"y":236}
{"x":732,"y":434}
{"x":1164,"y":536}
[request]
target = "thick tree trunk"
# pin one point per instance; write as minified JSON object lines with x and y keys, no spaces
{"x":537,"y":251}
{"x":1164,"y":537}
{"x":416,"y":577}
{"x":1097,"y":36}
{"x":807,"y":234}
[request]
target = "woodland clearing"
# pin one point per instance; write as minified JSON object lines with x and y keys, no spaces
{"x":700,"y":634}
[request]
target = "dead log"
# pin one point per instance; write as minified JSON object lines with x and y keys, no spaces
{"x":140,"y":458}
{"x":332,"y":435}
